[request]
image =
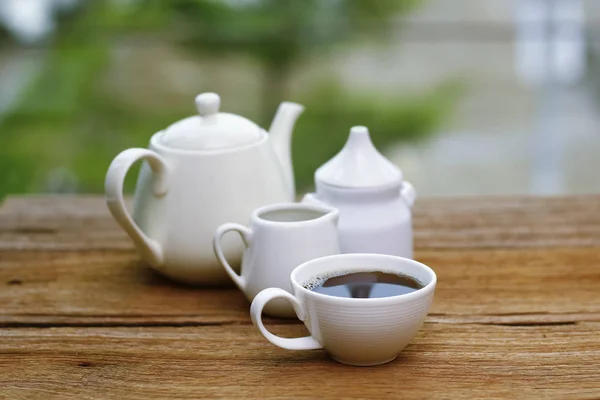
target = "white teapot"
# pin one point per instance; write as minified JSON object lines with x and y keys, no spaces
{"x":199,"y":173}
{"x":373,"y":200}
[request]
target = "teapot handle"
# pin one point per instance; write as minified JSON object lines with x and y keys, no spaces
{"x":150,"y":249}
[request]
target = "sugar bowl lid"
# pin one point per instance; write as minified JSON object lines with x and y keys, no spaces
{"x":358,"y":165}
{"x":211,"y":129}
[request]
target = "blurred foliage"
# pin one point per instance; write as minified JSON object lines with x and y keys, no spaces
{"x":68,"y":125}
{"x":590,"y":79}
{"x":324,"y":128}
{"x":279,"y":33}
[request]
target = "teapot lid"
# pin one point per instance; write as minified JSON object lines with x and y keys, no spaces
{"x":211,"y":129}
{"x":358,"y":165}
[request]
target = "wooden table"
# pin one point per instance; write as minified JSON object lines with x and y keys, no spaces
{"x":516,"y":312}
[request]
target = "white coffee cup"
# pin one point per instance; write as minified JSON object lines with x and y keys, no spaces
{"x":280,"y":237}
{"x":354,"y":331}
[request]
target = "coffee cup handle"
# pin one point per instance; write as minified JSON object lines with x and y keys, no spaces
{"x":246,"y":235}
{"x":261,"y":300}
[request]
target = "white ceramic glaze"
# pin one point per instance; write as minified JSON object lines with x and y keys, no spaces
{"x":211,"y":129}
{"x":358,"y":165}
{"x":361,"y":332}
{"x":188,"y":186}
{"x":373,"y":199}
{"x":280,"y":237}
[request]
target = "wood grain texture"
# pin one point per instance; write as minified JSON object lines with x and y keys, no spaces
{"x":114,"y":288}
{"x":444,"y":361}
{"x":84,"y":223}
{"x":516,"y":313}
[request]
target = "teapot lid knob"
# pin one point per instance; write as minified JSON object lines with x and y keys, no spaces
{"x":211,"y":129}
{"x":208,"y":104}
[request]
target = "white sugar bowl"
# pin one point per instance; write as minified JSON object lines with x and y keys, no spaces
{"x":373,"y":199}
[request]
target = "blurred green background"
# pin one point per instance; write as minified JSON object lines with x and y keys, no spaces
{"x":111,"y":73}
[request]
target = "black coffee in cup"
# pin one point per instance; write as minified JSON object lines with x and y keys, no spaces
{"x":374,"y":284}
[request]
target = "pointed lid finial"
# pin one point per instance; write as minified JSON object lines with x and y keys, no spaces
{"x":358,"y":165}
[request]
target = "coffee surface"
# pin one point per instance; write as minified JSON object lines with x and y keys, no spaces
{"x":365,"y":285}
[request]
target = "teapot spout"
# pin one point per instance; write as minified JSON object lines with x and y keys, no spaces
{"x":281,"y":139}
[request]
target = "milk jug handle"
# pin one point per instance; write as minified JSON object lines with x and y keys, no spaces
{"x":246,"y":235}
{"x":149,"y":248}
{"x":408,"y":193}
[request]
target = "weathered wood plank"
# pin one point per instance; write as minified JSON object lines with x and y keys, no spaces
{"x":59,"y":223}
{"x":83,"y":223}
{"x":107,"y":288}
{"x":518,"y":286}
{"x":508,"y":222}
{"x":516,"y":313}
{"x":443,"y":361}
